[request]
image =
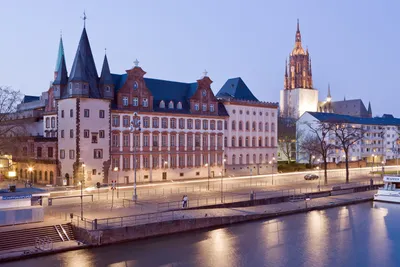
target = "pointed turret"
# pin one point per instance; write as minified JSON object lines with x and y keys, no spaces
{"x":106,"y":82}
{"x":83,"y":78}
{"x":60,"y":55}
{"x":62,"y":74}
{"x":298,"y":49}
{"x":369,"y":110}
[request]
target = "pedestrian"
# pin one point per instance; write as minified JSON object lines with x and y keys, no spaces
{"x":183,"y":201}
{"x":186,"y":201}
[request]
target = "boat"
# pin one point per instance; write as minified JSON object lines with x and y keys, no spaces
{"x":390,"y":192}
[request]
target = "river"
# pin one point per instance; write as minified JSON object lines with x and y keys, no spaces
{"x":366,"y":234}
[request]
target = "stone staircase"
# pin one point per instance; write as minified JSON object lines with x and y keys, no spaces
{"x":23,"y":238}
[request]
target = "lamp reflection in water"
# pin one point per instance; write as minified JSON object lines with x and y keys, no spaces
{"x":318,"y":238}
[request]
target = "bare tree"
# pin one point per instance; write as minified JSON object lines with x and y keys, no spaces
{"x":10,"y":125}
{"x":317,"y":143}
{"x":347,"y":136}
{"x":287,"y":137}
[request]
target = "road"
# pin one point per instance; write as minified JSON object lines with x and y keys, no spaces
{"x":151,"y":195}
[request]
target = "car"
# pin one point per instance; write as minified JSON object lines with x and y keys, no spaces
{"x":103,"y":187}
{"x":311,"y":176}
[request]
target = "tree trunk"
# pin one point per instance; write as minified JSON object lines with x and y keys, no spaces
{"x":325,"y":172}
{"x":347,"y":167}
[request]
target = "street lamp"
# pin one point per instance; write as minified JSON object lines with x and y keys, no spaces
{"x":312,"y":161}
{"x":272,"y":172}
{"x":83,"y":169}
{"x":81,"y":184}
{"x":208,"y":180}
{"x":135,"y":127}
{"x":373,"y":163}
{"x":30,"y":169}
{"x":383,"y":168}
{"x":222,"y":187}
{"x":116,"y":170}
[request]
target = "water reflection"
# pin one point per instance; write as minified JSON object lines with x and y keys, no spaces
{"x":357,"y":235}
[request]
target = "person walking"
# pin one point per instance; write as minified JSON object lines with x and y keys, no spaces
{"x":183,"y":201}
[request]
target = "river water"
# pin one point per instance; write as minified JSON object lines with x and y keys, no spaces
{"x":366,"y":234}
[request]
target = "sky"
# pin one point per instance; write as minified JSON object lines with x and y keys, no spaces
{"x":354,"y":45}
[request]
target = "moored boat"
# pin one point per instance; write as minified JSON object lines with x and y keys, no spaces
{"x":390,"y":192}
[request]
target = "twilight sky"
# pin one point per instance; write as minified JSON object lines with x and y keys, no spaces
{"x":353,"y":44}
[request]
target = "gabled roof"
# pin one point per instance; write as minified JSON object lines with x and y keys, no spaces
{"x":106,"y":77}
{"x":84,"y":68}
{"x":353,"y":107}
{"x":337,"y":118}
{"x":237,"y":89}
{"x":30,"y":98}
{"x":62,"y":75}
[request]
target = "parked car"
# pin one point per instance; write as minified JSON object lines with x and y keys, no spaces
{"x":103,"y":188}
{"x":311,"y":176}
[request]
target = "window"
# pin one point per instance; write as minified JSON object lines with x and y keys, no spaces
{"x":71,"y":113}
{"x":108,"y":89}
{"x":172,"y":140}
{"x":71,"y":133}
{"x":125,"y":163}
{"x":98,"y":153}
{"x":189,"y":123}
{"x":233,"y":159}
{"x":240,"y":126}
{"x":53,"y":122}
{"x":86,"y":113}
{"x":162,"y":104}
{"x":240,"y":141}
{"x":212,"y":125}
{"x":62,"y":113}
{"x":62,"y":133}
{"x":196,"y":107}
{"x":266,"y":127}
{"x":155,"y":123}
{"x":155,"y":140}
{"x":94,"y":138}
{"x":47,"y":122}
{"x":204,"y":93}
{"x":197,"y":140}
{"x":260,"y":142}
{"x":173,"y":123}
{"x":146,"y":140}
{"x":181,"y":162}
{"x":247,"y":126}
{"x":50,"y":153}
{"x":62,"y":153}
{"x":125,"y":101}
{"x":272,"y":141}
{"x":266,"y":141}
{"x":205,"y":124}
{"x":247,"y":142}
{"x":181,"y":140}
{"x":219,"y":125}
{"x":254,"y":128}
{"x":164,"y":123}
{"x":101,"y":113}
{"x":94,"y":172}
{"x":233,"y":141}
{"x":253,"y":142}
{"x":101,"y":133}
{"x":205,"y":141}
{"x":171,"y":104}
{"x":155,"y":162}
{"x":125,"y":140}
{"x":71,"y":154}
{"x":179,"y":105}
{"x":135,"y":102}
{"x":115,"y":121}
{"x":260,"y":126}
{"x":272,"y":126}
{"x":211,"y":107}
{"x":181,"y":123}
{"x":125,"y":121}
{"x":164,"y":140}
{"x":190,"y":161}
{"x":198,"y":124}
{"x":86,"y":133}
{"x":145,"y":102}
{"x":212,"y":141}
{"x":190,"y":141}
{"x":225,"y":141}
{"x":146,"y":122}
{"x":204,"y":107}
{"x":39,"y":152}
{"x":233,"y":125}
{"x":115,"y":140}
{"x":115,"y":163}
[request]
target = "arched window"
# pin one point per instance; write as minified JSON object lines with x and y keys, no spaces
{"x":240,"y":159}
{"x":53,"y":122}
{"x":266,"y":141}
{"x":51,"y":177}
{"x":47,"y":122}
{"x":225,"y":141}
{"x":266,"y":127}
{"x":272,"y":141}
{"x":266,"y":158}
{"x":247,"y":126}
{"x":45,"y":176}
{"x":40,"y":175}
{"x":171,"y":104}
{"x":162,"y":104}
{"x":272,"y":127}
{"x":253,"y":142}
{"x":260,"y":126}
{"x":26,"y":173}
{"x":254,"y":159}
{"x":260,"y":159}
{"x":247,"y":142}
{"x":260,"y":142}
{"x":233,"y":142}
{"x":247,"y":159}
{"x":179,"y":105}
{"x":233,"y":159}
{"x":240,"y":126}
{"x":254,"y":126}
{"x":240,"y":141}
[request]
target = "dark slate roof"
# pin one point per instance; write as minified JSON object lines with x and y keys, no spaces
{"x":84,"y":68}
{"x":331,"y":117}
{"x":105,"y":77}
{"x":237,"y":89}
{"x":30,"y":98}
{"x":60,"y":54}
{"x":354,"y":107}
{"x":62,"y":75}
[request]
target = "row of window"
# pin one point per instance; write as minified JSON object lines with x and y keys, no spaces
{"x":180,"y":161}
{"x":247,"y":160}
{"x":97,"y":154}
{"x":86,"y":114}
{"x":253,"y":126}
{"x":36,"y":175}
{"x":86,"y":134}
{"x":53,"y":122}
{"x":191,"y":140}
{"x":254,"y":142}
{"x":39,"y":152}
{"x":254,"y":113}
{"x":135,"y":101}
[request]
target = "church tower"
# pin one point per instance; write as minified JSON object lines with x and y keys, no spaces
{"x":298,"y":95}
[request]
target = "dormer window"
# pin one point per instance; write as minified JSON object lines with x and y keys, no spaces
{"x":162,"y":104}
{"x":179,"y":105}
{"x":212,"y":107}
{"x":135,"y":101}
{"x":145,"y":102}
{"x":204,"y":93}
{"x":204,"y":107}
{"x":135,"y":85}
{"x":125,"y":101}
{"x":77,"y":86}
{"x":108,"y":88}
{"x":171,"y":104}
{"x":196,"y":107}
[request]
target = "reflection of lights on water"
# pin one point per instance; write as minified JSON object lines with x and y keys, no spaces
{"x":81,"y":258}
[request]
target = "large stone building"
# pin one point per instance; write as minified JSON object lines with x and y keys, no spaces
{"x":184,"y":127}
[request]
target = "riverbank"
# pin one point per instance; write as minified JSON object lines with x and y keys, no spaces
{"x":190,"y":220}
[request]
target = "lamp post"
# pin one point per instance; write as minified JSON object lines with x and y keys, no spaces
{"x":30,"y":169}
{"x":272,"y":170}
{"x":208,"y":180}
{"x":222,"y":187}
{"x":116,"y":170}
{"x":135,"y":127}
{"x":83,"y":169}
{"x":312,"y":161}
{"x":81,"y":184}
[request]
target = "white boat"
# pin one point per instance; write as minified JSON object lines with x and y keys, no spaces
{"x":390,"y":192}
